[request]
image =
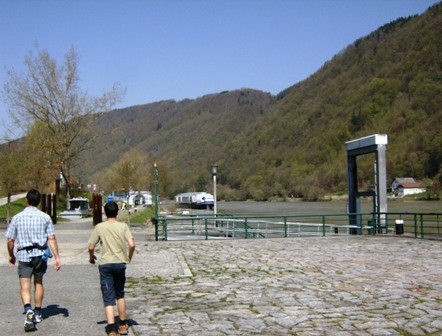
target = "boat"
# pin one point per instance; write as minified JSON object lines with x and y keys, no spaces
{"x":78,"y":208}
{"x":195,"y":200}
{"x":140,"y":198}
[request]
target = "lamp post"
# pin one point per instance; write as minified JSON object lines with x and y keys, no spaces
{"x":155,"y":184}
{"x":214,"y":171}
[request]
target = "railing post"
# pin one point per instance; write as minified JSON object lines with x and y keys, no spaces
{"x":323,"y":225}
{"x":233,"y":225}
{"x":165,"y":228}
{"x":154,"y":221}
{"x":437,"y":223}
{"x":206,"y":229}
{"x":422,"y":226}
{"x":246,"y":231}
{"x":373,"y":224}
{"x":285,"y":227}
{"x":415,"y":225}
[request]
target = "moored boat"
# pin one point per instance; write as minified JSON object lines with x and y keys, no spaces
{"x":195,"y":200}
{"x":78,"y":208}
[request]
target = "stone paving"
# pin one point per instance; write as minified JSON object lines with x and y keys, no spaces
{"x":342,"y":285}
{"x":298,"y":286}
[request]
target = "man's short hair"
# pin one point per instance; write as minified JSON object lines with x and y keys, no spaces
{"x":33,"y":196}
{"x":111,"y":209}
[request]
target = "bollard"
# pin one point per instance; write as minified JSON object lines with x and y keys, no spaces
{"x":97,"y":203}
{"x":399,"y":226}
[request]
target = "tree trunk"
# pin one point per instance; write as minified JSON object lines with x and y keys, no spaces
{"x":8,"y":211}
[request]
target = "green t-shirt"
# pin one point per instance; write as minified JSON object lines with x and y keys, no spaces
{"x":113,"y":236}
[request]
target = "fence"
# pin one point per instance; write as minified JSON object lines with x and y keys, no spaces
{"x":418,"y":225}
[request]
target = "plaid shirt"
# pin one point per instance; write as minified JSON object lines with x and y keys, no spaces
{"x":28,"y":227}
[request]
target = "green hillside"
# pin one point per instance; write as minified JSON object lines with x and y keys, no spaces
{"x":388,"y":82}
{"x":294,"y":144}
{"x":188,"y":135}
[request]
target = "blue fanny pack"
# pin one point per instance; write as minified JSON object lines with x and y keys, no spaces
{"x":47,"y":254}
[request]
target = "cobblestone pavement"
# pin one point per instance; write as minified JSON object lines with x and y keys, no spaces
{"x":296,"y":286}
{"x":344,"y":285}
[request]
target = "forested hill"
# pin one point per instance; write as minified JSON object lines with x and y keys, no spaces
{"x":387,"y":82}
{"x":294,"y":144}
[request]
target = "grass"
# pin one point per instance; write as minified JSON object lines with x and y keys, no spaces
{"x":143,"y":215}
{"x":15,"y":208}
{"x":19,"y":205}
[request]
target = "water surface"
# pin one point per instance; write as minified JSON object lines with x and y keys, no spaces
{"x":251,"y":208}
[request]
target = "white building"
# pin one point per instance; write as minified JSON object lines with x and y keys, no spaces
{"x":403,"y":186}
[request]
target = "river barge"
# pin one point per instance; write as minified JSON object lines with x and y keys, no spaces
{"x":195,"y":200}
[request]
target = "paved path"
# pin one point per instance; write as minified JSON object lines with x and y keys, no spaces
{"x":72,"y":296}
{"x":4,"y":200}
{"x":297,"y":286}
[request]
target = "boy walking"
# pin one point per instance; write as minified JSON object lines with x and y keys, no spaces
{"x":117,"y":249}
{"x":32,"y":231}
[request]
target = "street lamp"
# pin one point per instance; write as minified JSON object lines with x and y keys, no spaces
{"x":155,"y":185}
{"x":214,"y":171}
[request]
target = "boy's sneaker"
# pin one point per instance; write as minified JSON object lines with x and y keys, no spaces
{"x":123,"y":329}
{"x":38,"y":318}
{"x":29,"y":321}
{"x":111,"y":329}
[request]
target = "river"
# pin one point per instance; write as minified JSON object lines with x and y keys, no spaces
{"x":251,"y":208}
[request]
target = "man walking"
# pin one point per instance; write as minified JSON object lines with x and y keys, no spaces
{"x":32,"y":231}
{"x":117,"y":248}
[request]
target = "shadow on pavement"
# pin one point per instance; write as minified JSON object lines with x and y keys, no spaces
{"x":54,"y":310}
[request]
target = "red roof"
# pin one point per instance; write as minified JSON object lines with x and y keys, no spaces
{"x":410,"y":185}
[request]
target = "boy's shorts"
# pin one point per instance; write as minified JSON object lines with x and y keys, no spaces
{"x":36,"y":267}
{"x":112,"y":280}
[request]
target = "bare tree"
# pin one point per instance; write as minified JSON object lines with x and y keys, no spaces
{"x":47,"y":101}
{"x":130,"y":173}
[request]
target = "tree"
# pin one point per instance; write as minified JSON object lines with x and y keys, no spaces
{"x":130,"y":173}
{"x":48,"y":103}
{"x":10,"y":170}
{"x":42,"y":168}
{"x":165,"y":181}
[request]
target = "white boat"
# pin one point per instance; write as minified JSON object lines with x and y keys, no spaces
{"x":195,"y":200}
{"x":141,"y":198}
{"x":78,"y":208}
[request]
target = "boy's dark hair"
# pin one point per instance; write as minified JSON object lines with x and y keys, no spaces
{"x":33,"y":196}
{"x":111,"y":209}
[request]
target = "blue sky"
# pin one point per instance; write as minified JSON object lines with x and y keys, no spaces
{"x":176,"y":49}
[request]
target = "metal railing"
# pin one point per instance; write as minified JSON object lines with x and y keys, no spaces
{"x":418,"y":225}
